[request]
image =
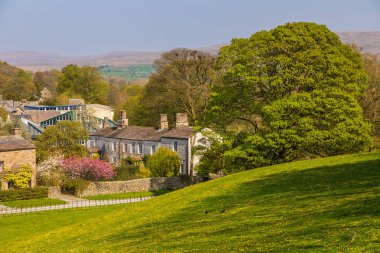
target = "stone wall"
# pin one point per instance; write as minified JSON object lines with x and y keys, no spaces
{"x":139,"y":185}
{"x":17,"y":158}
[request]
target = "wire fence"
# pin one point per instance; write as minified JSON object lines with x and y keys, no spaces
{"x":71,"y":204}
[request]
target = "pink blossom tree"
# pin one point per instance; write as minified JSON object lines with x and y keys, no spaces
{"x":87,"y":168}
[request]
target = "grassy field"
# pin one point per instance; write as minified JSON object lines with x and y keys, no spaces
{"x":128,"y":195}
{"x":129,"y":73}
{"x":33,"y":202}
{"x":329,"y":205}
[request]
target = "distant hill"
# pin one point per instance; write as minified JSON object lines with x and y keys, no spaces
{"x":368,"y":41}
{"x":33,"y":61}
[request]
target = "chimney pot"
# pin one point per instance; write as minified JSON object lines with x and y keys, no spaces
{"x":106,"y":123}
{"x":16,"y":131}
{"x":164,"y":124}
{"x":181,"y":120}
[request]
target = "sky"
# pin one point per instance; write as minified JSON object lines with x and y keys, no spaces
{"x":85,"y":27}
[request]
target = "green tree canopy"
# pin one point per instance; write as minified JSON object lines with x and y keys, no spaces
{"x":85,"y":82}
{"x":181,"y":84}
{"x":63,"y":139}
{"x":289,"y":93}
{"x":164,"y":163}
{"x":15,"y":83}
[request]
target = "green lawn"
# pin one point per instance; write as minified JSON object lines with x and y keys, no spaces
{"x":130,"y":73}
{"x":329,"y":205}
{"x":33,"y":202}
{"x":128,"y":195}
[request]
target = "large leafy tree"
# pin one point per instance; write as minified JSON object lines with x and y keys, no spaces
{"x":63,"y":139}
{"x":85,"y":82}
{"x":289,"y":93}
{"x":181,"y":84}
{"x":15,"y":83}
{"x":48,"y":79}
{"x":371,"y":102}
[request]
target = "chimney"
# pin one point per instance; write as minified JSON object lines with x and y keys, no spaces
{"x":106,"y":123}
{"x":181,"y":120}
{"x":123,"y":120}
{"x":16,"y":131}
{"x":164,"y":124}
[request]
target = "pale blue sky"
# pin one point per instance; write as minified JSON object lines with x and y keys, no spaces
{"x":79,"y":27}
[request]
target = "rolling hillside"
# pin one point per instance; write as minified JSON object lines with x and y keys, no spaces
{"x":329,"y":204}
{"x":33,"y":61}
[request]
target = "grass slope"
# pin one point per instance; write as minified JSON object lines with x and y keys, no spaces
{"x":128,"y":195}
{"x":329,"y":204}
{"x":33,"y":202}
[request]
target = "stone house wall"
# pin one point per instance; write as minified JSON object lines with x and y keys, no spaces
{"x":17,"y":158}
{"x":182,"y":149}
{"x":139,"y":185}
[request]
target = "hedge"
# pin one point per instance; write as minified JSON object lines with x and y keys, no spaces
{"x":74,"y":186}
{"x":23,"y":194}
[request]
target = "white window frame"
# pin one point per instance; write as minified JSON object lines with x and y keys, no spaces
{"x":175,"y":146}
{"x":140,"y":148}
{"x":133,"y":149}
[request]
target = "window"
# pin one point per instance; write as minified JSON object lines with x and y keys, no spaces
{"x":10,"y":185}
{"x":181,"y":168}
{"x":139,"y":149}
{"x":133,"y":148}
{"x":1,"y":166}
{"x":153,"y":149}
{"x":112,"y":146}
{"x":125,"y":148}
{"x":175,"y":146}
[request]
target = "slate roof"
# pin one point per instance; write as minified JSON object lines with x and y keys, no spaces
{"x":11,"y":142}
{"x":144,"y":133}
{"x":103,"y":132}
{"x":39,"y":116}
{"x":179,"y":133}
{"x":137,"y":133}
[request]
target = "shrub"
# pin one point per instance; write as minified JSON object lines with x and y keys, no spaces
{"x":19,"y":177}
{"x":24,"y":194}
{"x":126,"y":172}
{"x":87,"y":169}
{"x":49,"y":172}
{"x":74,"y":186}
{"x":143,"y":172}
{"x":164,"y":163}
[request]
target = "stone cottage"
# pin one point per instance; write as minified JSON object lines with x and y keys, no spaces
{"x":15,"y":151}
{"x":114,"y":144}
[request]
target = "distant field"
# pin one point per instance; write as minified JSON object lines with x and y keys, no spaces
{"x":322,"y":205}
{"x":130,"y":73}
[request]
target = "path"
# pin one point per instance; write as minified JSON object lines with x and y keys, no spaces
{"x":72,"y":204}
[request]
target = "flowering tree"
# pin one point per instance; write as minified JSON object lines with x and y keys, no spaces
{"x":19,"y":177}
{"x":87,"y":168}
{"x":49,"y":172}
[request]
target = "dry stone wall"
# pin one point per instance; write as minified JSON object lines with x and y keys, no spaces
{"x":139,"y":185}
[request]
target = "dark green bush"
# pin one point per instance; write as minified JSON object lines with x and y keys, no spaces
{"x":23,"y":194}
{"x":127,"y":172}
{"x":74,"y":186}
